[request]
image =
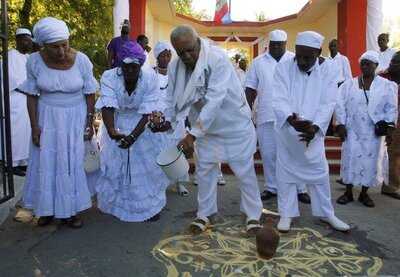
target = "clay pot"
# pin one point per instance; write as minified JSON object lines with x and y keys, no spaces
{"x":267,"y":241}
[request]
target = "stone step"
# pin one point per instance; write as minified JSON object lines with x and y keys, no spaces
{"x":332,"y":150}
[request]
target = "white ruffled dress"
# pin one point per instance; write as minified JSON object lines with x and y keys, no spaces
{"x":132,"y":186}
{"x":56,"y":183}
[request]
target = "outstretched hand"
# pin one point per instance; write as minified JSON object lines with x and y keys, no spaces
{"x":187,"y":145}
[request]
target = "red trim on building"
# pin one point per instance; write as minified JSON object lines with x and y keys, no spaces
{"x":223,"y":38}
{"x":352,"y":26}
{"x":137,"y":17}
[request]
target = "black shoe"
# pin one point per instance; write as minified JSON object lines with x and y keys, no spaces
{"x":345,"y":198}
{"x":154,"y":218}
{"x":394,"y":195}
{"x":18,"y":171}
{"x":366,"y":200}
{"x":266,"y":195}
{"x":44,"y":220}
{"x":73,"y":222}
{"x":23,"y":167}
{"x":304,"y":198}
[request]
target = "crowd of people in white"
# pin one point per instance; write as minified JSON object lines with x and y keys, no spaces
{"x":205,"y":103}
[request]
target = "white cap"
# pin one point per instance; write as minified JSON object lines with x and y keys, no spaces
{"x":370,"y":55}
{"x":23,"y":31}
{"x":277,"y":35}
{"x":310,"y":39}
{"x":160,"y":47}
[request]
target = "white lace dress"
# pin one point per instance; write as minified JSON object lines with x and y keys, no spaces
{"x":132,"y":186}
{"x":56,"y":182}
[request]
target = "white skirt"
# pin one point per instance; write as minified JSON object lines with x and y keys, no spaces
{"x":131,"y":186}
{"x":56,"y":181}
{"x":359,"y":164}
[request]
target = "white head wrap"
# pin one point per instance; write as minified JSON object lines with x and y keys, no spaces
{"x":310,"y":39}
{"x":160,"y":47}
{"x":370,"y":55}
{"x":23,"y":31}
{"x":49,"y":30}
{"x":277,"y":35}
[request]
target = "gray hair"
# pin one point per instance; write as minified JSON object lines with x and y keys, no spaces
{"x":183,"y":30}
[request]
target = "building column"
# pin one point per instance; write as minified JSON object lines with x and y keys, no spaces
{"x":255,"y":50}
{"x":137,"y":17}
{"x":352,"y":26}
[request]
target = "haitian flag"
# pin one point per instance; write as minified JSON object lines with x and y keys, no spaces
{"x":222,"y":12}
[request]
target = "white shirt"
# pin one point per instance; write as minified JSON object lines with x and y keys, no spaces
{"x":384,"y":59}
{"x":343,"y":65}
{"x":260,"y":77}
{"x":16,"y":68}
{"x":313,"y":97}
{"x":219,"y":115}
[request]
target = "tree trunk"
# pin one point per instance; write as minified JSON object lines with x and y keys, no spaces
{"x":24,"y":14}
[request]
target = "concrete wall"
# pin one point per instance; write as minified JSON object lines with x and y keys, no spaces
{"x":156,"y":31}
{"x":326,"y":26}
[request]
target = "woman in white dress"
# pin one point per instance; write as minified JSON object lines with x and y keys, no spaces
{"x":132,"y":186}
{"x":365,"y":114}
{"x":163,"y":54}
{"x":60,"y":86}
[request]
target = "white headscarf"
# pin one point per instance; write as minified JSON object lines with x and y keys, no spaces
{"x":277,"y":35}
{"x":49,"y":30}
{"x":310,"y":39}
{"x":160,"y":47}
{"x":370,"y":55}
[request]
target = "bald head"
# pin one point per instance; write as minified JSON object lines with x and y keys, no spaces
{"x":186,"y":42}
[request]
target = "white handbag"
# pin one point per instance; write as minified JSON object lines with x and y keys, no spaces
{"x":92,"y":156}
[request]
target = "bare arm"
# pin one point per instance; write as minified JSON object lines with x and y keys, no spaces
{"x":32,"y":103}
{"x":251,"y":95}
{"x":108,"y":119}
{"x":133,"y":136}
{"x":90,"y":100}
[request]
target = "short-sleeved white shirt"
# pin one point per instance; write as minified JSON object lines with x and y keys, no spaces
{"x":260,"y":78}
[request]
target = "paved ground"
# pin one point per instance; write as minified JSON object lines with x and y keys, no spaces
{"x":108,"y":247}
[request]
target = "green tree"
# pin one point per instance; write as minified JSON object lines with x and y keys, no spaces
{"x":90,"y":23}
{"x":185,"y":7}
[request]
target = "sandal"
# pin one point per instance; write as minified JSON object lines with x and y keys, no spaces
{"x":252,"y":226}
{"x":199,"y":225}
{"x":182,"y":191}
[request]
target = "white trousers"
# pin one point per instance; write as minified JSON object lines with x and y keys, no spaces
{"x":207,"y":175}
{"x":267,"y":144}
{"x":321,"y":205}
